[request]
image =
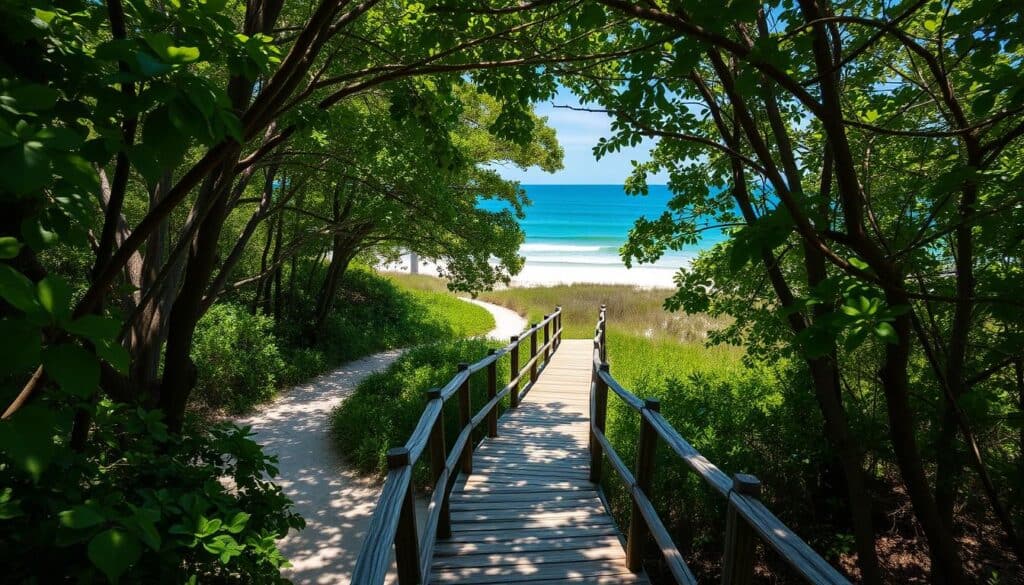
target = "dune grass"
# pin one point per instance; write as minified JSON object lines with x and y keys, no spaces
{"x":631,"y":310}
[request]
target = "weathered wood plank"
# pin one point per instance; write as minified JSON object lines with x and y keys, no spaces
{"x":529,"y":572}
{"x":526,"y":545}
{"x":513,"y":536}
{"x":606,"y":552}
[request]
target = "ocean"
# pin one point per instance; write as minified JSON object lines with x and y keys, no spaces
{"x":574,"y":233}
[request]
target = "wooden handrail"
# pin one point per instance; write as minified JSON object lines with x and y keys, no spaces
{"x":746,"y":518}
{"x":394,"y":522}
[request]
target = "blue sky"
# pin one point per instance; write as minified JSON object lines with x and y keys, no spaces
{"x":578,"y":132}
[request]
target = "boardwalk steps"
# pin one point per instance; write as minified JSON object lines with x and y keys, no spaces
{"x":523,"y":506}
{"x":529,"y":502}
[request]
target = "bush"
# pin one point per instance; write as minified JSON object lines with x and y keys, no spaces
{"x":385,"y":407}
{"x":137,"y":504}
{"x":237,"y":358}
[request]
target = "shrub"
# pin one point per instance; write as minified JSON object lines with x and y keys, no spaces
{"x":237,"y":358}
{"x":385,"y":407}
{"x":137,"y":504}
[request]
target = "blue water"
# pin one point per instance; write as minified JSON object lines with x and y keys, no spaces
{"x":586,"y":225}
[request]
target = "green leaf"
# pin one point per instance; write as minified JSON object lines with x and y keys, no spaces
{"x":38,"y":236}
{"x":18,"y":290}
{"x":856,"y":338}
{"x":225,"y":547}
{"x":9,"y":507}
{"x":20,"y":344}
{"x":55,"y":296}
{"x":150,"y":66}
{"x":114,"y":354}
{"x":113,"y":552}
{"x":27,"y":439}
{"x":82,"y":516}
{"x":237,"y":523}
{"x":94,"y":327}
{"x":24,"y":167}
{"x":887,"y":333}
{"x":9,"y":247}
{"x":207,"y":527}
{"x":75,"y":369}
{"x":161,"y":43}
{"x":30,"y":98}
{"x":143,"y":521}
{"x":982,"y":105}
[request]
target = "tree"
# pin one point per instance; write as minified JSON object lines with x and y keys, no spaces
{"x":828,"y":106}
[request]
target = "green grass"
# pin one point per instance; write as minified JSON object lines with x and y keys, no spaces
{"x":633,"y":310}
{"x":445,"y":310}
{"x":385,"y":407}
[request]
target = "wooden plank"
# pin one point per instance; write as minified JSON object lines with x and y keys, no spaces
{"x":538,"y":523}
{"x":519,"y":496}
{"x":515,"y":536}
{"x":607,"y":552}
{"x":530,"y":572}
{"x":576,"y":512}
{"x":526,"y":545}
{"x":596,"y":580}
{"x":534,"y":504}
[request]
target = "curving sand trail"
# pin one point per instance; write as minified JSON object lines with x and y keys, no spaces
{"x":335,"y":501}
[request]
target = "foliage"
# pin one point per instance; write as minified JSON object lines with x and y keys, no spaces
{"x":385,"y":407}
{"x":874,"y":233}
{"x":237,"y":358}
{"x":139,"y":504}
{"x":242,"y":358}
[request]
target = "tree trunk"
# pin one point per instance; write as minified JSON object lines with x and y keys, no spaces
{"x":179,"y":370}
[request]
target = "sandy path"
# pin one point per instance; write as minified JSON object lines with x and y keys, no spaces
{"x":507,"y":322}
{"x":335,"y":501}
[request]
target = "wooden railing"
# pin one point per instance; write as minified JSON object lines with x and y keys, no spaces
{"x":746,"y":518}
{"x":394,"y":519}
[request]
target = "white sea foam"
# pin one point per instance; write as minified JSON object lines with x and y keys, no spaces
{"x":526,"y":248}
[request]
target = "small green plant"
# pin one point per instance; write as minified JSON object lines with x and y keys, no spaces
{"x":237,"y":358}
{"x":138,"y":504}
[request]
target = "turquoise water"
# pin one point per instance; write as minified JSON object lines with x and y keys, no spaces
{"x":586,"y":225}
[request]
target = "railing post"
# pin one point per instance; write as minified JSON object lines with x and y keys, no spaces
{"x":599,"y":415}
{"x":558,"y":326}
{"x":492,"y":391}
{"x":547,"y":338}
{"x":513,"y":395}
{"x":464,"y":417}
{"x":407,"y":547}
{"x":646,"y":449}
{"x":438,"y":455}
{"x":603,"y":333}
{"x":533,"y":353}
{"x":738,"y":560}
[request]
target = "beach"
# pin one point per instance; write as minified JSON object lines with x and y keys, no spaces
{"x":574,"y":234}
{"x":555,"y":274}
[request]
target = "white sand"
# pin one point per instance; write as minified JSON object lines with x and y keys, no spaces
{"x":335,"y":501}
{"x":644,"y":276}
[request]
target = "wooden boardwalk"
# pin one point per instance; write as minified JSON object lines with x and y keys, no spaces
{"x":520,"y":507}
{"x":528,"y":512}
